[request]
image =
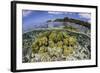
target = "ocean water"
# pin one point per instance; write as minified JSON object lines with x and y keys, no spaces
{"x":39,"y":26}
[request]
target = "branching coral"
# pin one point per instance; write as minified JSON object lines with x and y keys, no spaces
{"x":52,"y":45}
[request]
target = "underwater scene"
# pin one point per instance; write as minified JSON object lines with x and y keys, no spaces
{"x":49,"y":36}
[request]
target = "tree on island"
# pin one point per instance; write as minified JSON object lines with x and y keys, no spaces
{"x":67,"y":19}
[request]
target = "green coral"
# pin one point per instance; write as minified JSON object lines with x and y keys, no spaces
{"x":52,"y":36}
{"x":52,"y":45}
{"x":42,"y":49}
{"x":72,"y":41}
{"x":67,"y":50}
{"x":59,"y":44}
{"x":65,"y":41}
{"x":59,"y":36}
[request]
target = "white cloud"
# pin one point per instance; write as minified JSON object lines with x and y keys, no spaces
{"x":26,"y":13}
{"x":69,"y":13}
{"x":85,"y":15}
{"x":54,"y":12}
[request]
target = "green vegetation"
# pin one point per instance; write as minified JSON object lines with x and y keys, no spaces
{"x":66,"y":19}
{"x":48,"y":21}
{"x":83,"y":23}
{"x":58,"y":20}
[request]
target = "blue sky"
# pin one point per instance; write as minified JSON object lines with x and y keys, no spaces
{"x":31,"y":16}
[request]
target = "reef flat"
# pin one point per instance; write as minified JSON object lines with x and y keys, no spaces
{"x":55,"y":45}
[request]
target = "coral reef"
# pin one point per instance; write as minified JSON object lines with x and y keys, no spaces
{"x":55,"y":45}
